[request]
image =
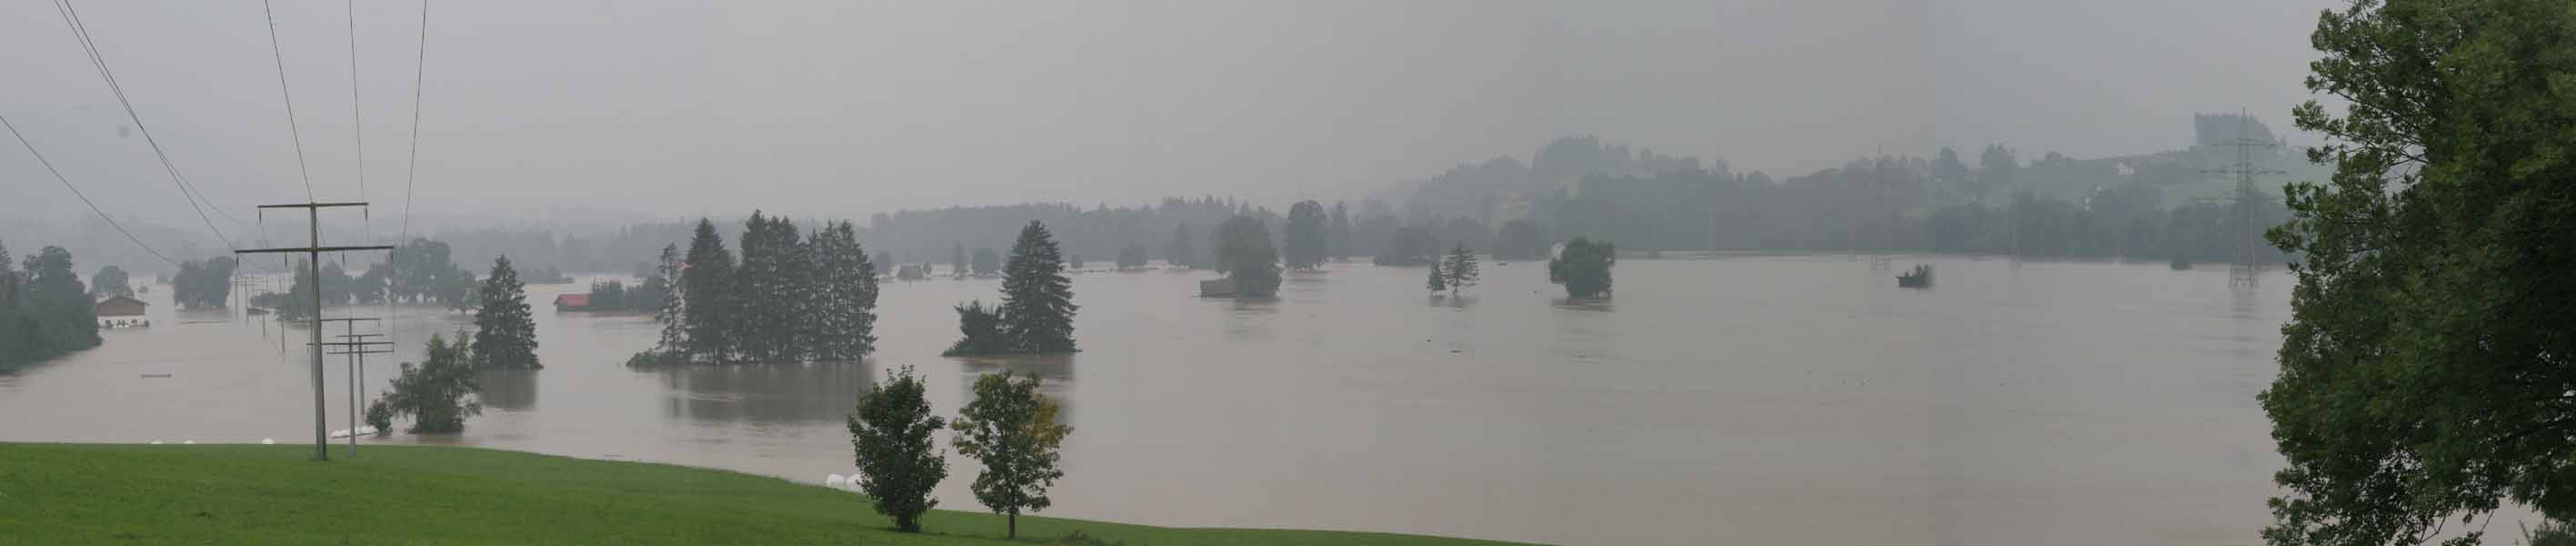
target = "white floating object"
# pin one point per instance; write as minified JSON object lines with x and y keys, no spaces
{"x":834,"y":481}
{"x":156,"y":442}
{"x":344,"y":433}
{"x":262,"y":441}
{"x":190,"y":442}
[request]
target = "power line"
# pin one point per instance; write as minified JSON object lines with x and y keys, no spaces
{"x":420,"y":65}
{"x":80,"y":32}
{"x":357,"y":119}
{"x":291,"y":131}
{"x":67,"y":184}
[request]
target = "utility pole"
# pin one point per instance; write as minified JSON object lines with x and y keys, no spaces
{"x":2245,"y":270}
{"x":313,"y":263}
{"x":357,"y":360}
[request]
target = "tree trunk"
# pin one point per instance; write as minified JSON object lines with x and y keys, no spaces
{"x":1015,"y":524}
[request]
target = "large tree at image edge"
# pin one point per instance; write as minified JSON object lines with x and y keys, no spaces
{"x":2425,"y":372}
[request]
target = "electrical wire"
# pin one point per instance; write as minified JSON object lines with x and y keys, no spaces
{"x":80,"y":32}
{"x":291,"y":131}
{"x":67,"y":184}
{"x":420,"y":65}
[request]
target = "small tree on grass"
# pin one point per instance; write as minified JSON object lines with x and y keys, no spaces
{"x":433,"y":393}
{"x":1012,"y":429}
{"x":898,"y":461}
{"x":1583,"y":267}
{"x":1461,"y":269}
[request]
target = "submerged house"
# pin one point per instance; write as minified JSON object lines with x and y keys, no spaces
{"x":1216,"y":288}
{"x":572,"y":302}
{"x":121,"y":312}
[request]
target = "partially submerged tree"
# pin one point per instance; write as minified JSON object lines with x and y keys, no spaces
{"x":1306,"y":236}
{"x":1461,"y":269}
{"x":110,"y":281}
{"x":899,"y":462}
{"x":1583,"y":267}
{"x":1182,"y":253}
{"x":1439,"y":282}
{"x":505,"y":335}
{"x":981,"y":331}
{"x":1131,"y":257}
{"x":1011,"y":428}
{"x":433,"y":393}
{"x":1244,"y":251}
{"x":2426,"y":368}
{"x":1037,"y":299}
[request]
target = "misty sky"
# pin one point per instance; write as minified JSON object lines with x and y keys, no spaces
{"x":841,"y":108}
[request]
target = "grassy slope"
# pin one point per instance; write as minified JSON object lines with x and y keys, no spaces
{"x":84,"y":494}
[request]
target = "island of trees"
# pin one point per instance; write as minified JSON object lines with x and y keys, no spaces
{"x":1036,"y":314}
{"x":790,"y":298}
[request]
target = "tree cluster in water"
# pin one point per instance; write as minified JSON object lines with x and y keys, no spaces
{"x":44,"y":310}
{"x":790,"y":298}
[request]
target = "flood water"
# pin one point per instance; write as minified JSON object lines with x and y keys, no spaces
{"x":1782,"y":399}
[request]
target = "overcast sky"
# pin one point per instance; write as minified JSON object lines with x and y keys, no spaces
{"x":841,"y":108}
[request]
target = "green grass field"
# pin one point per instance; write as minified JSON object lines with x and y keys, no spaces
{"x":261,"y":494}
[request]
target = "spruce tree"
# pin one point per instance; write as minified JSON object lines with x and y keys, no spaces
{"x":675,"y":335}
{"x":957,"y":260}
{"x":1439,"y":282}
{"x":1037,"y":299}
{"x":1181,"y":253}
{"x":706,"y":286}
{"x":1244,"y":251}
{"x":505,"y":335}
{"x":844,"y":295}
{"x":1462,"y":268}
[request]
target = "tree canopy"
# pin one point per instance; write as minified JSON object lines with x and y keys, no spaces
{"x":433,"y":393}
{"x":1244,"y":251}
{"x":1306,"y":236}
{"x":1583,"y":267}
{"x":2425,"y":370}
{"x":1011,"y":428}
{"x":899,"y":461}
{"x":49,"y":315}
{"x":505,"y":334}
{"x":1037,"y":299}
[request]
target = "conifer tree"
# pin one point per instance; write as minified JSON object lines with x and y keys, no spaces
{"x":505,"y":335}
{"x":1439,"y":282}
{"x":675,"y":335}
{"x":845,"y":295}
{"x":706,"y":285}
{"x":1181,"y":253}
{"x":1037,"y":299}
{"x":1461,"y":268}
{"x":957,"y":260}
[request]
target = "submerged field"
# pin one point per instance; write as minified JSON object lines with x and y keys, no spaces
{"x":272,"y":494}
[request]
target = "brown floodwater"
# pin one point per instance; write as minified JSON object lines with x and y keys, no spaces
{"x":1782,"y":399}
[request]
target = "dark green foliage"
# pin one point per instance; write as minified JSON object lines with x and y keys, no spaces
{"x":1460,"y":271}
{"x":1181,"y":252}
{"x":1439,"y":282}
{"x":608,"y":295}
{"x":2426,"y":366}
{"x":1306,"y":245}
{"x":2550,"y":533}
{"x":433,"y":393}
{"x":1012,"y":429}
{"x":842,"y":293}
{"x":771,"y":300}
{"x":1243,"y":250}
{"x":1037,"y":300}
{"x":1583,"y":267}
{"x":987,"y":262}
{"x":899,"y":461}
{"x":50,"y":315}
{"x":505,"y":334}
{"x":706,"y":286}
{"x":1410,"y":245}
{"x":1132,"y":256}
{"x":674,"y":341}
{"x":421,"y":270}
{"x":110,"y":281}
{"x":204,"y":284}
{"x":1520,"y":240}
{"x":980,"y":329}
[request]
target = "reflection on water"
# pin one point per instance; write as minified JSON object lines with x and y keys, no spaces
{"x":507,"y":390}
{"x":776,"y":393}
{"x":1753,"y":399}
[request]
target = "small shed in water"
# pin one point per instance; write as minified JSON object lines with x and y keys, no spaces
{"x":121,"y":312}
{"x":572,"y":302}
{"x":1216,"y":288}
